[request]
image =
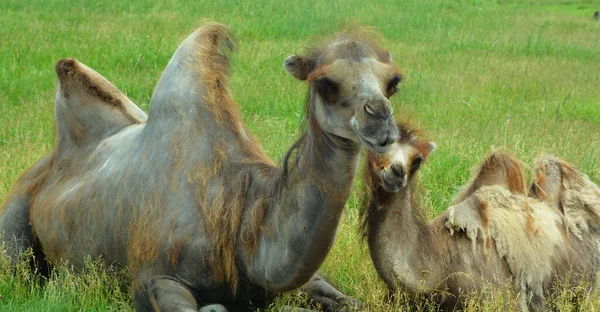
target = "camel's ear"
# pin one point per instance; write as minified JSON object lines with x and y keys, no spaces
{"x":425,"y":147}
{"x":298,"y":66}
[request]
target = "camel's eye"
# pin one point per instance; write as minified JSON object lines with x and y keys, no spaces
{"x":533,"y":189}
{"x":327,"y":88}
{"x":416,"y":164}
{"x":392,"y":86}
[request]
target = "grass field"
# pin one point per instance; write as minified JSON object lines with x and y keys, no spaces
{"x":523,"y":75}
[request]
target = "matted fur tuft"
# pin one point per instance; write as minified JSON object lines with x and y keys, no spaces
{"x":497,"y":168}
{"x":500,"y":168}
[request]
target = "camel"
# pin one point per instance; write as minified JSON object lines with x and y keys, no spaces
{"x":185,"y":199}
{"x":494,"y":234}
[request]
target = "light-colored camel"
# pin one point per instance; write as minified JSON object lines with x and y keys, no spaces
{"x":187,"y":200}
{"x":493,"y":236}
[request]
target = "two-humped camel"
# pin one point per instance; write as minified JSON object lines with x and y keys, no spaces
{"x":495,"y":234}
{"x":185,"y":198}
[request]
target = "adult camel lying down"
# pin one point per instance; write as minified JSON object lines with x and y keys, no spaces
{"x":495,"y":234}
{"x":186,"y":199}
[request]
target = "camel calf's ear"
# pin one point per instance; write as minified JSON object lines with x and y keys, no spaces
{"x":426,"y":148}
{"x":298,"y":66}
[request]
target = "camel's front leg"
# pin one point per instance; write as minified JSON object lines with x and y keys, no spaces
{"x":165,"y":294}
{"x":322,"y":292}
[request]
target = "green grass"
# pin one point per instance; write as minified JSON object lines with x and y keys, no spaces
{"x":480,"y":75}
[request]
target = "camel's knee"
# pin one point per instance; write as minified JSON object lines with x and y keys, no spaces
{"x":16,"y":232}
{"x":165,"y":294}
{"x":17,"y":235}
{"x":213,"y":308}
{"x":14,"y":225}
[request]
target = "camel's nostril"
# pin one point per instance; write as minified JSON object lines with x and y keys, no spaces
{"x":398,"y":171}
{"x":389,"y":139}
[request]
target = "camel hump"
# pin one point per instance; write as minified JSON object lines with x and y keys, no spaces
{"x":197,"y":76}
{"x":498,"y":168}
{"x":88,"y":107}
{"x":212,"y":45}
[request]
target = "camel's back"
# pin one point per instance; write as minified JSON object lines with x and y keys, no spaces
{"x":125,"y":201}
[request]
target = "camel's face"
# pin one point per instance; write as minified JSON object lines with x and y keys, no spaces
{"x":350,"y":94}
{"x":405,"y":160}
{"x":352,"y":102}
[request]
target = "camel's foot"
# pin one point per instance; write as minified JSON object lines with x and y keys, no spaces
{"x":165,"y":294}
{"x":322,"y":292}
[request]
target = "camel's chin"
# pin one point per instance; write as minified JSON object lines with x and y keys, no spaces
{"x":367,"y":143}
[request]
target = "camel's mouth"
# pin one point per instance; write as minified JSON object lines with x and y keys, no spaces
{"x":391,"y":181}
{"x":370,"y":144}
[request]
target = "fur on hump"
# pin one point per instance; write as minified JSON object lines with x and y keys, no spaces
{"x":579,"y":197}
{"x":374,"y":197}
{"x":228,"y":214}
{"x":499,"y":168}
{"x":530,"y":256}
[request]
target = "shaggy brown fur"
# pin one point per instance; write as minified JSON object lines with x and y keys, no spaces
{"x":486,"y":237}
{"x":564,"y":188}
{"x":188,"y":201}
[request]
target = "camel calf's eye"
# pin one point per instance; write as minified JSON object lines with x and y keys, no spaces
{"x":392,"y":86}
{"x":416,"y":164}
{"x":327,"y":88}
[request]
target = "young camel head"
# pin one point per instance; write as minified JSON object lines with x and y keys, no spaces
{"x":558,"y":183}
{"x":351,"y":79}
{"x":385,"y":175}
{"x":403,"y":160}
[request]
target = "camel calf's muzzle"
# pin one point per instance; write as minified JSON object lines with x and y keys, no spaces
{"x":393,"y":178}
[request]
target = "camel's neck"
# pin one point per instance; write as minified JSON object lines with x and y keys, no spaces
{"x":397,"y":238}
{"x":300,"y":226}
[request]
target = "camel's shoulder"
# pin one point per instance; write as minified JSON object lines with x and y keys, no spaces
{"x":88,"y":107}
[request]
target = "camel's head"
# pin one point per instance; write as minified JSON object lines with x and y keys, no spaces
{"x":402,"y":161}
{"x":556,"y":181}
{"x":350,"y":81}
